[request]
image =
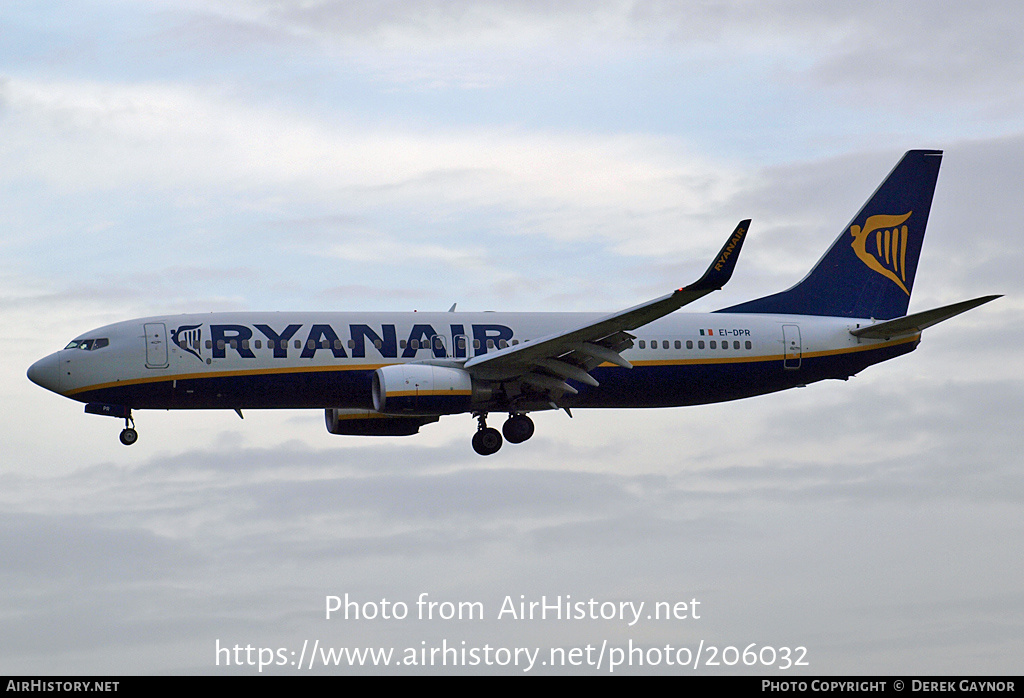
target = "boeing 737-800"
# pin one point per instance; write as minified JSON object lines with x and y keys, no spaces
{"x":388,"y":374}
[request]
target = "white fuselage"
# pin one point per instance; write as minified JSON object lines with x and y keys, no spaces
{"x":320,"y":360}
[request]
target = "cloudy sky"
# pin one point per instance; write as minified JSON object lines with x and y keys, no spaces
{"x":164,"y":157}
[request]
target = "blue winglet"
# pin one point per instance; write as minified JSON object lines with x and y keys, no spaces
{"x":721,"y":269}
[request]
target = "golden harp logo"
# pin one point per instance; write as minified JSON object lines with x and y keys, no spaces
{"x":882,"y":245}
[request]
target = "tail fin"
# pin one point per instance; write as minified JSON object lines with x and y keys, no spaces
{"x":869,"y":270}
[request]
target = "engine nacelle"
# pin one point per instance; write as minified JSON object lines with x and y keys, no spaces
{"x":422,"y":389}
{"x":370,"y":423}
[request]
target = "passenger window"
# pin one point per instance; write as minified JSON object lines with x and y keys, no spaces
{"x":259,"y":344}
{"x":679,"y":345}
{"x":490,"y":343}
{"x":749,"y":345}
{"x":643,"y":345}
{"x":689,"y":344}
{"x":502,"y":344}
{"x":298,"y":343}
{"x":700,"y":344}
{"x":713,"y":344}
{"x":414,"y":344}
{"x":736,"y":344}
{"x":209,"y":344}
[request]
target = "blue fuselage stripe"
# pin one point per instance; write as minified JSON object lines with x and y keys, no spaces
{"x":662,"y":384}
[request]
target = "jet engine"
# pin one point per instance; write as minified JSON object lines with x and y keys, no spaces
{"x":370,"y":423}
{"x":422,"y":389}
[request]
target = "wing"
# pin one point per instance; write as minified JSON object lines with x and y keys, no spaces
{"x":546,"y":362}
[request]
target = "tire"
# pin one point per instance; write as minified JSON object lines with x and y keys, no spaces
{"x":129,"y":436}
{"x":517,"y":429}
{"x":487,"y":441}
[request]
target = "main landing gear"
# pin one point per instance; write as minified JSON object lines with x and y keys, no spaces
{"x":517,"y":429}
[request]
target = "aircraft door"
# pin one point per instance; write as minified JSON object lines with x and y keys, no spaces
{"x":792,"y":348}
{"x":439,"y":346}
{"x":156,"y":345}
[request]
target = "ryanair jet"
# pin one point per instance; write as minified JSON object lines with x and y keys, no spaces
{"x":388,"y":374}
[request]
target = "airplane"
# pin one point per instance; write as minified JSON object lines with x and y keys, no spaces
{"x":388,"y":374}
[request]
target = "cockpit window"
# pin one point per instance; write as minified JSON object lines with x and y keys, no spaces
{"x":88,"y":344}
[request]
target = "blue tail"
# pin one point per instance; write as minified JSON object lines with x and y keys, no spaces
{"x":869,"y":270}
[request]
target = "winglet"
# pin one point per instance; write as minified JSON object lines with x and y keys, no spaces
{"x":721,"y":269}
{"x":517,"y":361}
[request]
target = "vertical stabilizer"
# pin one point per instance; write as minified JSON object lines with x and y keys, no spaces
{"x":868,"y":272}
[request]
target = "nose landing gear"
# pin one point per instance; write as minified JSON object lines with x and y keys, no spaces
{"x":128,"y":434}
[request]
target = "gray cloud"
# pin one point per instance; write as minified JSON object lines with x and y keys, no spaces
{"x":584,"y":156}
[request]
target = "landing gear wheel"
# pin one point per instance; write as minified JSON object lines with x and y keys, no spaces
{"x":517,"y":428}
{"x":487,"y":441}
{"x":129,"y":435}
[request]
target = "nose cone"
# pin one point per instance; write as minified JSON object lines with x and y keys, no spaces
{"x":46,"y":372}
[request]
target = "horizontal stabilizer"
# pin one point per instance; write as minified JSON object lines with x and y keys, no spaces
{"x":912,"y":324}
